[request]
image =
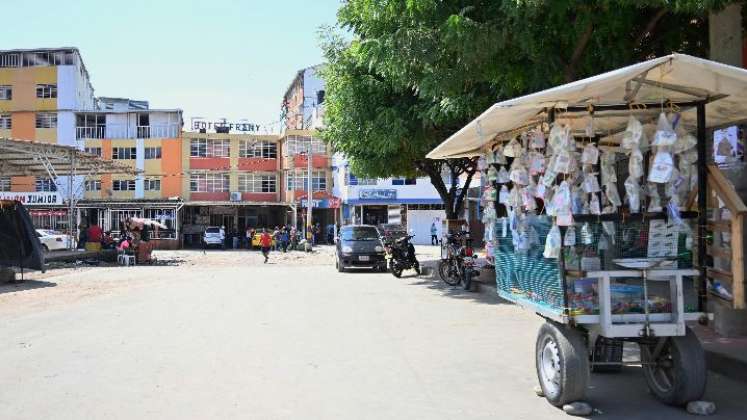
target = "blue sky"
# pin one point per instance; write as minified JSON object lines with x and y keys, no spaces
{"x":217,"y":58}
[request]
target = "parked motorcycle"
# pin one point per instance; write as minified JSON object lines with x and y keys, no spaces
{"x":458,"y":261}
{"x":401,"y":255}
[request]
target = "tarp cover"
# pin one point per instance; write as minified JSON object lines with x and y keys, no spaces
{"x":676,"y":77}
{"x":19,"y":246}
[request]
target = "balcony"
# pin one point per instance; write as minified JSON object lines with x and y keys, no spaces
{"x":157,"y":131}
{"x":122,"y":131}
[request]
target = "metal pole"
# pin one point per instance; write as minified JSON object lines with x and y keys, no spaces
{"x":71,"y":206}
{"x":702,"y":205}
{"x":309,"y":196}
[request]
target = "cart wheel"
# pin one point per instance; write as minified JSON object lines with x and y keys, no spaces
{"x":562,"y":363}
{"x":676,"y":374}
{"x":608,"y":351}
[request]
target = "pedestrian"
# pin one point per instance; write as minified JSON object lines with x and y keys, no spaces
{"x":248,"y":238}
{"x":294,"y":238}
{"x":265,"y":241}
{"x":276,"y":238}
{"x":223,"y":236}
{"x":252,"y":234}
{"x":284,"y":239}
{"x":434,"y":234}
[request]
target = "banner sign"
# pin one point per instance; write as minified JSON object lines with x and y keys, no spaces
{"x":48,"y":213}
{"x":377,"y":194}
{"x":322,"y":203}
{"x":241,"y":125}
{"x":33,"y":198}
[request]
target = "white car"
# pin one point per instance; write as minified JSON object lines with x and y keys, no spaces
{"x":213,"y":237}
{"x":52,"y":240}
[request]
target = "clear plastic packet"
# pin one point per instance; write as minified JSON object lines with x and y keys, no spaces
{"x":503,"y":195}
{"x":562,"y":162}
{"x":607,"y":166}
{"x":537,"y":139}
{"x":586,"y":236}
{"x":570,"y":236}
{"x":579,"y":204}
{"x":633,"y":194}
{"x":489,"y":194}
{"x":515,"y":200}
{"x":609,"y":227}
{"x":635,"y":163}
{"x":603,"y":243}
{"x":632,"y":136}
{"x":661,"y":168}
{"x":488,"y":214}
{"x":513,"y":149}
{"x":502,"y":176}
{"x":528,"y":200}
{"x":536,"y":163}
{"x":590,"y":155}
{"x":552,"y":243}
{"x":690,"y":156}
{"x":539,"y":191}
{"x":665,"y":135}
{"x":482,"y":163}
{"x":594,"y":207}
{"x":557,"y":132}
{"x":685,"y":141}
{"x":654,"y":204}
{"x":492,"y":174}
{"x":610,"y":190}
{"x":498,"y":156}
{"x":519,"y":174}
{"x":548,"y":178}
{"x":590,"y":184}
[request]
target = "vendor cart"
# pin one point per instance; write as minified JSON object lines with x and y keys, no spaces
{"x":603,"y":270}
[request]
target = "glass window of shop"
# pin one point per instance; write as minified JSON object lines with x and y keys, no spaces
{"x":208,"y":182}
{"x":258,"y":149}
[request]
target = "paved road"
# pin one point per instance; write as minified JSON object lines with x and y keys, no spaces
{"x":288,"y":342}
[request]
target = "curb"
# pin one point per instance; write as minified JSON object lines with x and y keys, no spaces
{"x":728,"y":366}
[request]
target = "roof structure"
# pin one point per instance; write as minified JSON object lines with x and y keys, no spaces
{"x":676,"y":82}
{"x":31,"y":158}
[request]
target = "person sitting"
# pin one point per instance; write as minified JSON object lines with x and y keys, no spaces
{"x":95,"y":233}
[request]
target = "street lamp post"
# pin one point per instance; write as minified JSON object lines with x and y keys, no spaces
{"x":309,"y":201}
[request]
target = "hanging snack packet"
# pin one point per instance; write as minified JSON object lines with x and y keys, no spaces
{"x":556,"y":136}
{"x":515,"y":199}
{"x":539,"y":191}
{"x":665,"y":135}
{"x":603,"y":244}
{"x":633,"y":194}
{"x":562,"y":162}
{"x":528,"y":200}
{"x":570,"y":236}
{"x":594,"y":207}
{"x":685,"y":141}
{"x":482,"y":163}
{"x":590,"y":156}
{"x":690,"y":156}
{"x":513,"y":149}
{"x":590,"y":184}
{"x":610,"y":190}
{"x":537,"y":140}
{"x":661,"y":168}
{"x":586,"y":236}
{"x":536,"y":163}
{"x":492,"y":174}
{"x":519,"y":174}
{"x":632,"y":136}
{"x":552,"y":243}
{"x":498,"y":156}
{"x":635,"y":163}
{"x":502,"y":177}
{"x":503,"y":196}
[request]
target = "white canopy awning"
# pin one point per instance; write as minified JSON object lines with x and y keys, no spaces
{"x":677,"y":78}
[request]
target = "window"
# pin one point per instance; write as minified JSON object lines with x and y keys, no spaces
{"x":93,"y":150}
{"x":299,"y":181}
{"x":123,"y":185}
{"x":153,"y":153}
{"x":209,"y":148}
{"x":46,"y":91}
{"x":124,"y":153}
{"x":45,"y":185}
{"x":258,"y":183}
{"x":208,"y":182}
{"x":404,"y":181}
{"x":4,"y":183}
{"x":354,"y":180}
{"x":6,"y":121}
{"x":258,"y":149}
{"x":300,"y":144}
{"x":93,"y":185}
{"x":91,"y":126}
{"x":46,"y":120}
{"x":6,"y":92}
{"x":152,"y":185}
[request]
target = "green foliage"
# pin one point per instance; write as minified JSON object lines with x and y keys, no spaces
{"x":416,"y":71}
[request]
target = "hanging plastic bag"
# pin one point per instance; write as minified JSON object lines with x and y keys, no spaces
{"x":661,"y":169}
{"x":513,"y":149}
{"x":515,"y":199}
{"x":556,"y":136}
{"x":586,"y":236}
{"x":519,"y":174}
{"x":594,"y":207}
{"x":489,"y":194}
{"x":562,"y":162}
{"x":633,"y":194}
{"x":570,"y":236}
{"x":590,"y":184}
{"x":635,"y":163}
{"x":603,"y":244}
{"x":665,"y":135}
{"x":527,"y":198}
{"x":690,"y":156}
{"x":537,"y":140}
{"x":498,"y":156}
{"x":632,"y":136}
{"x":552,"y":243}
{"x":482,"y":163}
{"x":590,"y":156}
{"x":492,"y":174}
{"x":503,"y":195}
{"x":502,"y":176}
{"x":539,"y":191}
{"x":610,"y":190}
{"x":685,"y":141}
{"x":536,"y":163}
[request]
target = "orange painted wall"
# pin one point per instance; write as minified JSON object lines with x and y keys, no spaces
{"x":171,"y":167}
{"x":24,"y":126}
{"x":22,"y":183}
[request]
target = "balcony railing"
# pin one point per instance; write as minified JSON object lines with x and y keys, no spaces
{"x":122,"y":131}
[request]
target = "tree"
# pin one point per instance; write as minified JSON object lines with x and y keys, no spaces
{"x":416,"y":71}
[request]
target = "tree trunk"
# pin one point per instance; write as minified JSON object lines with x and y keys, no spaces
{"x":452,"y":196}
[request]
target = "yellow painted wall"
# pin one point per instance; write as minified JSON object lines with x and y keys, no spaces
{"x":46,"y":135}
{"x":6,"y":132}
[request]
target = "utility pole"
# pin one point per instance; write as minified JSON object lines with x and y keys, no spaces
{"x":309,"y":196}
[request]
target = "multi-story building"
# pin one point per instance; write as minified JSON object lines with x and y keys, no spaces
{"x":302,"y":107}
{"x":41,"y":90}
{"x":231,"y":180}
{"x":148,"y":140}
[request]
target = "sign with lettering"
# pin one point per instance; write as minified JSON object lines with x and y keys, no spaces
{"x":242,"y":126}
{"x":33,"y":198}
{"x":377,"y":194}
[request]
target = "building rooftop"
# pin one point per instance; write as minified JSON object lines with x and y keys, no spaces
{"x":37,"y":57}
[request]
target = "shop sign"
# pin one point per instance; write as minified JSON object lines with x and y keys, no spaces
{"x":33,"y":198}
{"x":241,"y":125}
{"x":377,"y":194}
{"x":322,"y":203}
{"x":41,"y":213}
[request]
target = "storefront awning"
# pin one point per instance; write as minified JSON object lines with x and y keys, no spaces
{"x":681,"y":79}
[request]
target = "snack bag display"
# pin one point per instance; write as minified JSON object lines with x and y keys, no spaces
{"x":552,"y":243}
{"x":665,"y":135}
{"x":661,"y":168}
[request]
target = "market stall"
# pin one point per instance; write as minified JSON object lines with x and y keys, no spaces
{"x":592,"y":213}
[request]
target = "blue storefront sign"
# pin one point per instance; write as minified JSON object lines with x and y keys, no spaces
{"x":377,"y":195}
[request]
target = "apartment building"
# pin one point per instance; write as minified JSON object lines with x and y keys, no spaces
{"x":146,"y":139}
{"x":231,"y":180}
{"x":41,"y":90}
{"x":303,"y":103}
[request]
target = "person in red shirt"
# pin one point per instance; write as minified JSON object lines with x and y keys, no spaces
{"x":94,"y":233}
{"x":265,"y":241}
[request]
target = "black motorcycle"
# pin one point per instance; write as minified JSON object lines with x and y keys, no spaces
{"x":401,"y":255}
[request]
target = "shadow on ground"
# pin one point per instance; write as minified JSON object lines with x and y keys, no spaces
{"x":19,"y":286}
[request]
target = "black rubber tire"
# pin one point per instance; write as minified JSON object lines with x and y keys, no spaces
{"x":397,"y":271}
{"x":443,"y":272}
{"x":340,"y":267}
{"x":572,"y":363}
{"x":416,"y":266}
{"x":687,"y":374}
{"x":607,"y":350}
{"x":45,"y":248}
{"x":467,"y":279}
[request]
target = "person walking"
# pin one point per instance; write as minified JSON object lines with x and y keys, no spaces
{"x":294,"y":238}
{"x":284,"y":239}
{"x":265,"y":241}
{"x":434,"y":234}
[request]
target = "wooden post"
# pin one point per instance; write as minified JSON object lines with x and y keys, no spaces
{"x":702,"y":205}
{"x":737,"y":261}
